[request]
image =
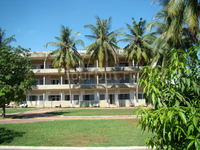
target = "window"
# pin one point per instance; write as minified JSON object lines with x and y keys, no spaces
{"x":140,"y":96}
{"x":88,"y":97}
{"x":123,"y":64}
{"x":54,"y":97}
{"x":124,"y":80}
{"x":67,"y":97}
{"x":123,"y":96}
{"x":101,"y":81}
{"x":40,"y":82}
{"x":33,"y":97}
{"x":41,"y":66}
{"x":76,"y":97}
{"x":102,"y":96}
{"x":65,"y":81}
{"x":111,"y":81}
{"x":41,"y":97}
{"x":34,"y":66}
{"x":88,"y":65}
{"x":89,"y":81}
{"x":56,"y":81}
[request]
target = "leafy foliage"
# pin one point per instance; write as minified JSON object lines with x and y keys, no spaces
{"x":174,"y":127}
{"x":175,"y":94}
{"x":16,"y":76}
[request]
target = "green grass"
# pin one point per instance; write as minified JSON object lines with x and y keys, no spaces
{"x":93,"y":112}
{"x":19,"y":110}
{"x":76,"y":133}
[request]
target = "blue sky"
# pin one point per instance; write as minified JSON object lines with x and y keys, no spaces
{"x":36,"y":22}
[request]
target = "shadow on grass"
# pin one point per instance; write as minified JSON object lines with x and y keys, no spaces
{"x":59,"y":113}
{"x":7,"y":136}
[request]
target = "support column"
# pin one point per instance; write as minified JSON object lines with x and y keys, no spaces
{"x":116,"y":97}
{"x":43,"y":98}
{"x":97,"y":79}
{"x":61,"y":80}
{"x":96,"y":95}
{"x":44,"y":64}
{"x":133,"y":63}
{"x":44,"y":80}
{"x":61,"y":95}
{"x":81,"y":97}
{"x":27,"y":97}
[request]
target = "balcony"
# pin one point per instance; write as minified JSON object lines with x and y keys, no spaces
{"x":90,"y":69}
{"x":83,"y":86}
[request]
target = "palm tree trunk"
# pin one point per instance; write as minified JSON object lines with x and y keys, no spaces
{"x":106,"y":82}
{"x":105,"y":73}
{"x":137,"y":77}
{"x":3,"y":111}
{"x":70,"y":91}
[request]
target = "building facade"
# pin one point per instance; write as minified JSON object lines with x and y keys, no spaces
{"x":87,"y":84}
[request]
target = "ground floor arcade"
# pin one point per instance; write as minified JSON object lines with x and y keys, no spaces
{"x":85,"y":98}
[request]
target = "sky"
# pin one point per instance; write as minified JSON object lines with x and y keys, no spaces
{"x":36,"y":22}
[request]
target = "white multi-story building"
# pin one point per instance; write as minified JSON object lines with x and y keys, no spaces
{"x":87,"y":84}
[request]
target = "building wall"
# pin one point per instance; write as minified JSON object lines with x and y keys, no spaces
{"x":87,"y":83}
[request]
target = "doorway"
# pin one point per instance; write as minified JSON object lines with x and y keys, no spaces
{"x":112,"y":98}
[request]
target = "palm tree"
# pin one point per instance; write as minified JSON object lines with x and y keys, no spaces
{"x":105,"y":45}
{"x":182,"y":13}
{"x":3,"y":41}
{"x":163,"y":44}
{"x":139,"y":46}
{"x":67,"y":56}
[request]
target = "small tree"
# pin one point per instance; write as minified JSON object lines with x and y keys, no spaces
{"x":16,"y":76}
{"x":175,"y":93}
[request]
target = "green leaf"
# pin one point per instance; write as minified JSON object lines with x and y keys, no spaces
{"x":182,"y":116}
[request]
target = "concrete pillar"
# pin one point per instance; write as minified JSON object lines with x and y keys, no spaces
{"x":61,"y":95}
{"x":27,"y":97}
{"x":44,"y":64}
{"x":116,"y":96}
{"x":133,"y":63}
{"x":97,"y":79}
{"x":96,"y":95}
{"x":43,"y":98}
{"x":132,"y":94}
{"x":61,"y":80}
{"x":44,"y":80}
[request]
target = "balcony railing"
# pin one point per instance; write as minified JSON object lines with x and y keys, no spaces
{"x":91,"y":69}
{"x":83,"y":86}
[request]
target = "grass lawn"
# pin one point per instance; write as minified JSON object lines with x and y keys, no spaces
{"x":76,"y":133}
{"x":19,"y":110}
{"x":93,"y":112}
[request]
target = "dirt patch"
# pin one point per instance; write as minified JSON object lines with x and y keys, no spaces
{"x":40,"y":115}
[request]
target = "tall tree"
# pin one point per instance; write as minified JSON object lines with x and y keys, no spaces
{"x":16,"y":77}
{"x":161,"y":47}
{"x":67,"y":56}
{"x":105,"y":45}
{"x":182,"y":13}
{"x":139,"y":44}
{"x":5,"y":41}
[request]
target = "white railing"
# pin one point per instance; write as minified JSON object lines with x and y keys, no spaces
{"x":45,"y":53}
{"x":83,"y":86}
{"x":91,"y":69}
